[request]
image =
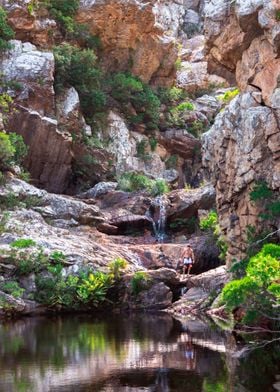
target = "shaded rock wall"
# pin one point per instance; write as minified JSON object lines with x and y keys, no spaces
{"x":243,"y":146}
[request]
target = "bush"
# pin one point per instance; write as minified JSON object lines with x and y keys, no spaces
{"x":159,"y":187}
{"x":139,"y":282}
{"x":258,"y":292}
{"x":6,"y":32}
{"x":228,"y":95}
{"x":185,"y":106}
{"x":209,"y":222}
{"x":130,"y":182}
{"x":12,"y":288}
{"x":153,"y":143}
{"x":117,"y":266}
{"x":126,"y":88}
{"x":23,"y":243}
{"x":7,"y":150}
{"x":20,"y":148}
{"x":88,"y":289}
{"x":77,"y":67}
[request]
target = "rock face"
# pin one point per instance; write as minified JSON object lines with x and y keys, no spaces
{"x":243,"y":145}
{"x":130,"y":35}
{"x":50,"y":156}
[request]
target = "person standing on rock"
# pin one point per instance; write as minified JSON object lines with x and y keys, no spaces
{"x":188,"y":260}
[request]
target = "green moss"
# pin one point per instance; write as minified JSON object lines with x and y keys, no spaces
{"x":22,"y":243}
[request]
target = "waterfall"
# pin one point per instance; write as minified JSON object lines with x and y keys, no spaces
{"x":159,"y":218}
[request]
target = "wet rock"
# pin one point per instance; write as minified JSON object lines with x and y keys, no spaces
{"x":212,"y":280}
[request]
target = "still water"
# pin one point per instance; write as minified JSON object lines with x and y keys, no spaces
{"x":130,"y":353}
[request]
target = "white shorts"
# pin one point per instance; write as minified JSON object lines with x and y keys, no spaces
{"x":188,"y":261}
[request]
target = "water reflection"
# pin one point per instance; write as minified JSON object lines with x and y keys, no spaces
{"x":127,"y":353}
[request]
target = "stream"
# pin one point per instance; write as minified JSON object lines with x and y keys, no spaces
{"x":139,"y":352}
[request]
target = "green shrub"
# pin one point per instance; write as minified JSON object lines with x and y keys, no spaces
{"x":153,"y":143}
{"x":20,"y":147}
{"x":5,"y":101}
{"x":277,"y":15}
{"x":117,"y":266}
{"x":130,"y":182}
{"x":228,"y":95}
{"x":57,"y":256}
{"x":22,"y":243}
{"x":12,"y":287}
{"x":209,"y":222}
{"x":126,"y":88}
{"x":197,"y":128}
{"x":260,"y":191}
{"x":4,"y":219}
{"x":185,"y":106}
{"x":159,"y":187}
{"x":6,"y":32}
{"x":141,"y":148}
{"x":88,"y":289}
{"x":139,"y":282}
{"x":171,"y":95}
{"x":7,"y":150}
{"x":172,"y":162}
{"x":77,"y":67}
{"x":258,"y":292}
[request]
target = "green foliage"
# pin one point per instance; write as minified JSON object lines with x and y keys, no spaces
{"x":228,"y":95}
{"x":130,"y":182}
{"x":260,"y":192}
{"x":12,"y":287}
{"x":126,"y":88}
{"x":11,"y":201}
{"x":153,"y":143}
{"x":7,"y":150}
{"x":77,"y":67}
{"x":20,"y":147}
{"x":5,"y":101}
{"x":117,"y":266}
{"x":172,"y":161}
{"x":6,"y":32}
{"x":22,"y":243}
{"x":4,"y":219}
{"x":185,"y":106}
{"x":88,"y":289}
{"x":139,"y":282}
{"x":277,"y":15}
{"x":63,"y":11}
{"x":141,"y":148}
{"x":258,"y":292}
{"x":57,"y":256}
{"x":12,"y":149}
{"x":209,"y":222}
{"x":172,"y":95}
{"x":159,"y":187}
{"x":197,"y":128}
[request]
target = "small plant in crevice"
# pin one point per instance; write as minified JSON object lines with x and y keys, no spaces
{"x":117,"y":267}
{"x":130,"y":182}
{"x":139,"y":282}
{"x":22,"y":243}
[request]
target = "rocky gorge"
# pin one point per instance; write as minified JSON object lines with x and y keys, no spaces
{"x":141,"y":119}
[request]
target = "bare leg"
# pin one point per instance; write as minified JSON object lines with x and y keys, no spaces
{"x":184,"y":270}
{"x":189,"y":269}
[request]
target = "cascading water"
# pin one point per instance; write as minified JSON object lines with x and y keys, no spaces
{"x":159,"y":218}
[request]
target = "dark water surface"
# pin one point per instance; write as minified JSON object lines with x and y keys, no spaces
{"x":129,"y":353}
